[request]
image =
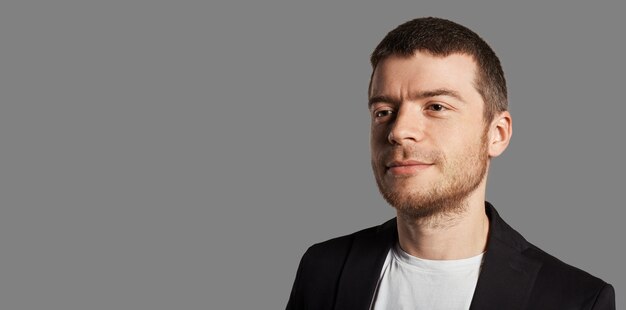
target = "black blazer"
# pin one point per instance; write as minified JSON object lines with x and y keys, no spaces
{"x":342,"y":273}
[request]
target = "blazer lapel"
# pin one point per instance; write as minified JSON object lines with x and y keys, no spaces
{"x":505,"y":281}
{"x":363,"y":266}
{"x":507,"y":276}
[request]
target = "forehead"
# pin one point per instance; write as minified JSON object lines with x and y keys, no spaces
{"x":398,"y":76}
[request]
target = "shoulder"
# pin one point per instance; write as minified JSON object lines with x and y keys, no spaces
{"x":552,"y":270}
{"x":334,"y":250}
{"x":559,"y":282}
{"x":561,"y":278}
{"x":323,"y":263}
{"x":555,"y":282}
{"x":553,"y":266}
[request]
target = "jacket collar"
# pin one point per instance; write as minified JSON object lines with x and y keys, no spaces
{"x":507,"y":275}
{"x":363,"y":265}
{"x":505,"y":281}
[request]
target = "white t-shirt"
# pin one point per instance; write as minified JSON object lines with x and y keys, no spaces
{"x":408,"y":282}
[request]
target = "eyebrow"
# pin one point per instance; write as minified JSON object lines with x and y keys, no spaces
{"x":417,"y":96}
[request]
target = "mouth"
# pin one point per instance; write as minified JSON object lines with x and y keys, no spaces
{"x":406,"y":167}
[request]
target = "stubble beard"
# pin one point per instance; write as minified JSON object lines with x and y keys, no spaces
{"x":446,"y":198}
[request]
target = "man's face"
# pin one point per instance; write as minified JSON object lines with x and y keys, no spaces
{"x":428,"y":135}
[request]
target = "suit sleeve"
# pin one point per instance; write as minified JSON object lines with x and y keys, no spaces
{"x":605,"y":299}
{"x":294,"y":297}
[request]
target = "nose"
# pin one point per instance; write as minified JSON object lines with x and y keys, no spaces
{"x":407,"y":127}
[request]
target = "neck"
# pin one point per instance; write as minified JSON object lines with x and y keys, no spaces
{"x":446,"y":236}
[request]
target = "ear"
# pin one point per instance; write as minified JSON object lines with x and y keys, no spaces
{"x":500,"y":131}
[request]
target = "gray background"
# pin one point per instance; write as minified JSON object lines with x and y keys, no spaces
{"x":184,"y":154}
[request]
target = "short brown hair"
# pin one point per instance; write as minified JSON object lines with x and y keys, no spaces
{"x":441,"y":37}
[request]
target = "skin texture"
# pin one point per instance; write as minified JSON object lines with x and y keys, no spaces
{"x":430,"y":147}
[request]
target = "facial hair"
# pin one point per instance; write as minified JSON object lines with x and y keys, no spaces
{"x":447,"y":197}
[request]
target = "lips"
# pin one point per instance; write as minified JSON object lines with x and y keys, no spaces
{"x":401,"y":167}
{"x":400,"y":163}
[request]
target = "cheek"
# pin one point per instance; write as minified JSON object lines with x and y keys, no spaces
{"x":377,"y":155}
{"x":378,"y":138}
{"x":457,"y":145}
{"x":465,"y":131}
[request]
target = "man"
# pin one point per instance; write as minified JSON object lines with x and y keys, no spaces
{"x":439,"y":113}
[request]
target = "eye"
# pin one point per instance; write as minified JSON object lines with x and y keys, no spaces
{"x":437,"y":107}
{"x":382,"y":113}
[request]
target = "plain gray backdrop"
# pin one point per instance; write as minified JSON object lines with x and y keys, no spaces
{"x":184,"y":154}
